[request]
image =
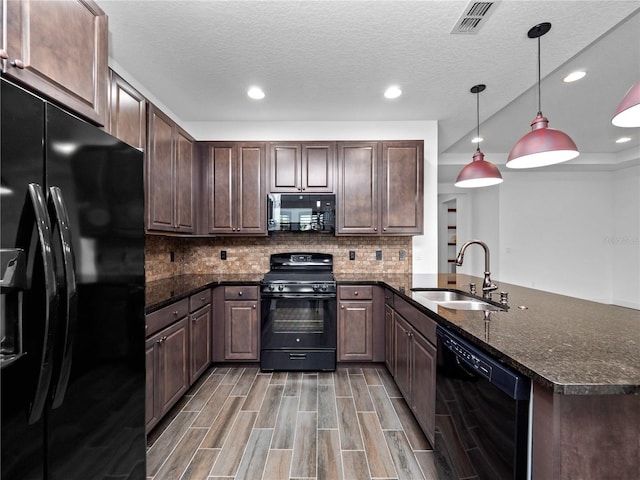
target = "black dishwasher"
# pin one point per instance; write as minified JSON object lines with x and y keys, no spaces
{"x":482,"y":411}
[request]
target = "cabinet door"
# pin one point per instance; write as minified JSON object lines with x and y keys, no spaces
{"x":60,"y":50}
{"x":402,"y":355}
{"x":151,"y":399}
{"x":160,"y":172}
{"x":241,"y":330}
{"x":218,"y":165}
{"x":389,"y":338}
{"x":284,"y":168}
{"x":251,"y":210}
{"x":127,"y":112}
{"x":318,"y":165}
{"x":184,"y":186}
{"x":402,"y":188}
{"x":200,"y":342}
{"x":423,"y":393}
{"x":173,"y":372}
{"x":358,"y":188}
{"x":355,"y":331}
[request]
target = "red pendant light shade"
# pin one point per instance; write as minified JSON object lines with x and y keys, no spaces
{"x":478,"y":173}
{"x":542,"y":145}
{"x":628,"y":112}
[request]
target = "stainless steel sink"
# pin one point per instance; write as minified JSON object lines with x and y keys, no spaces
{"x":456,"y":300}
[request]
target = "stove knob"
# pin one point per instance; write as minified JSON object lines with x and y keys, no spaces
{"x":271,"y":287}
{"x":324,"y":288}
{"x":316,"y":288}
{"x":280,"y":287}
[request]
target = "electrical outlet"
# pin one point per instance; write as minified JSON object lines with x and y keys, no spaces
{"x":172,"y":257}
{"x":352,"y":254}
{"x":378,"y":254}
{"x":223,"y":254}
{"x":402,"y":255}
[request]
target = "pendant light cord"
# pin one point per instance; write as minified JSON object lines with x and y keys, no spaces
{"x":539,"y":90}
{"x":478,"y":120}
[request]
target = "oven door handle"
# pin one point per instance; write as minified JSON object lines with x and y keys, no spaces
{"x":300,"y":295}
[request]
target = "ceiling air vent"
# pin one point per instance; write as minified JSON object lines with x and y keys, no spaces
{"x":474,"y":16}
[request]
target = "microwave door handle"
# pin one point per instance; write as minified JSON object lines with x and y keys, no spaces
{"x":60,"y":218}
{"x":37,"y":214}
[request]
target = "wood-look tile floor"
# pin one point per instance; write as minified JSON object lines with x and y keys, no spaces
{"x":240,"y":423}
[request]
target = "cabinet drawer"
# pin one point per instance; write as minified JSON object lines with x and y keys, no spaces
{"x":199,"y":300}
{"x":355,"y":292}
{"x":418,"y":320}
{"x":166,"y":316}
{"x":241,"y":293}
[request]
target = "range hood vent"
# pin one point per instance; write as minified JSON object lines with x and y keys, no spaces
{"x":474,"y":16}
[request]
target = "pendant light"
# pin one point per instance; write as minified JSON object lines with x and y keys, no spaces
{"x":478,"y":173}
{"x":628,"y":112}
{"x":542,"y":145}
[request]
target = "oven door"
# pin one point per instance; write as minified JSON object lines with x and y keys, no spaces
{"x":298,"y":321}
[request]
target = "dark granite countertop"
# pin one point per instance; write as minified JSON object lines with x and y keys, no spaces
{"x":160,"y":293}
{"x":573,"y":346}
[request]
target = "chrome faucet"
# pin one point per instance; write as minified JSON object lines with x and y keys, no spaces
{"x":487,"y":285}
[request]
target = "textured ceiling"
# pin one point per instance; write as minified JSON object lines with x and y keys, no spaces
{"x":332,"y":60}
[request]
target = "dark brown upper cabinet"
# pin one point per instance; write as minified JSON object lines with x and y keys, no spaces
{"x":59,"y":49}
{"x":234,"y":197}
{"x":301,"y":167}
{"x":380,"y":188}
{"x":402,"y":194}
{"x":127,"y":119}
{"x":170,"y":163}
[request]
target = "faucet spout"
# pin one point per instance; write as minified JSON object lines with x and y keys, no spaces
{"x":487,"y":285}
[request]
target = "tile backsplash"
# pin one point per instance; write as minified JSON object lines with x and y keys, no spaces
{"x":169,"y":256}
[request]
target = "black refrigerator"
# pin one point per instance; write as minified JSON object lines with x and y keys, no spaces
{"x":72,"y":296}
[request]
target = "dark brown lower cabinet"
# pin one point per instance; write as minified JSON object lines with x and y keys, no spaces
{"x":389,"y":337}
{"x":199,"y":342}
{"x":237,"y":327}
{"x":414,"y":369}
{"x":355,"y":323}
{"x":167,"y":369}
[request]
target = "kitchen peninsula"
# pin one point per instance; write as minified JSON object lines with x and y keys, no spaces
{"x":583,"y":358}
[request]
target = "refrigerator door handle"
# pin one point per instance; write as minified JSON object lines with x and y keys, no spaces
{"x":60,"y":219}
{"x":38,"y":215}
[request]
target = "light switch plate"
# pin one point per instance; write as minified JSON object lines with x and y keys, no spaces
{"x":378,"y":254}
{"x":352,"y":254}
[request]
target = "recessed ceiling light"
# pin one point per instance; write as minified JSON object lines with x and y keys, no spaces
{"x":574,"y":76}
{"x":393,"y":92}
{"x":256,"y":93}
{"x":623,"y":140}
{"x":477,"y":139}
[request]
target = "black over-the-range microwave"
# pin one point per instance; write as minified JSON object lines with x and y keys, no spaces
{"x":293,"y":212}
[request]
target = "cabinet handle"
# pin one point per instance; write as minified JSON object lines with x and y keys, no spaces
{"x":202,"y":299}
{"x":254,"y":307}
{"x":3,"y":54}
{"x":355,"y":293}
{"x":239,"y":294}
{"x":375,"y":229}
{"x":342,"y":307}
{"x":18,"y":63}
{"x":175,"y":313}
{"x":384,"y":229}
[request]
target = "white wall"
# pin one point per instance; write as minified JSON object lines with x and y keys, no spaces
{"x":552,"y":230}
{"x":569,"y":232}
{"x":624,"y":239}
{"x":425,"y":247}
